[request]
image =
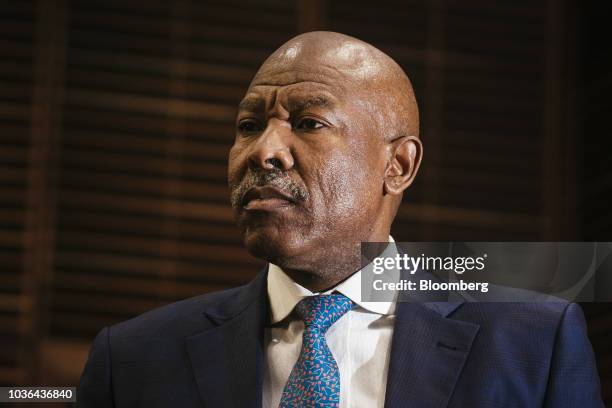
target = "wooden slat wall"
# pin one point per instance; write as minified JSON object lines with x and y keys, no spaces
{"x":17,"y":37}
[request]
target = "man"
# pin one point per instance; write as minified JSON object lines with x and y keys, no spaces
{"x":327,"y":140}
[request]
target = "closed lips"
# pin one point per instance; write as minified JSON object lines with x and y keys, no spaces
{"x":266,"y":193}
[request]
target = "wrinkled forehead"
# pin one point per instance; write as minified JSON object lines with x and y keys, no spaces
{"x":296,"y":76}
{"x":294,"y":96}
{"x":297,"y":86}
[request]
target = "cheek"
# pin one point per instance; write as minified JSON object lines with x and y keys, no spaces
{"x":348,"y":183}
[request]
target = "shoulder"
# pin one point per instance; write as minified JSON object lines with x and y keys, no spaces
{"x":542,"y":347}
{"x":163,"y":330}
{"x":178,"y":319}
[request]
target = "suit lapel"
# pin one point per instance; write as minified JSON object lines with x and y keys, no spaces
{"x":428,"y":352}
{"x":227,"y":360}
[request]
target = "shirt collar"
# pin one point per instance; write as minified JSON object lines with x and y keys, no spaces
{"x":284,"y":293}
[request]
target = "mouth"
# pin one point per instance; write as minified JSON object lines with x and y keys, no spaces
{"x":266,"y":198}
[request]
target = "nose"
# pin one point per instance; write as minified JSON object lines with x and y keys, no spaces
{"x":271,"y":149}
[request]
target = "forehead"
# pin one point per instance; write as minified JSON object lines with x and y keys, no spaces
{"x":295,"y":83}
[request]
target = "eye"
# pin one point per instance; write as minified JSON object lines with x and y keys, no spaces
{"x":249,"y":126}
{"x":309,"y":124}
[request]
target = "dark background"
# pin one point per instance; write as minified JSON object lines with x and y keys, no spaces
{"x":116,"y":118}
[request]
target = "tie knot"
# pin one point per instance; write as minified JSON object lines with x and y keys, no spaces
{"x":322,"y":311}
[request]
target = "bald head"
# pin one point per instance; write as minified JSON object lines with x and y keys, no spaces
{"x":354,"y":66}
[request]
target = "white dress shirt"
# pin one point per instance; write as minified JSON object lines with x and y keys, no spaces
{"x":360,"y":341}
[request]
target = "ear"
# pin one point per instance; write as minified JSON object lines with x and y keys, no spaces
{"x":405,"y":159}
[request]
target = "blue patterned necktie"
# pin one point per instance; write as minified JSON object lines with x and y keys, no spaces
{"x":315,"y":380}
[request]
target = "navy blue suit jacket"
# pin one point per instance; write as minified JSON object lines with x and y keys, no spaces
{"x":207,"y":351}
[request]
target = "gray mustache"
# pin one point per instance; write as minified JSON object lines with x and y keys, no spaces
{"x":275,"y":178}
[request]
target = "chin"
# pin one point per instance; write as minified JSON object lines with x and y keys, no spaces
{"x":264,"y":243}
{"x":272,"y":245}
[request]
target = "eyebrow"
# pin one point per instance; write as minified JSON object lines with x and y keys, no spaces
{"x":311,"y":101}
{"x":295,"y":104}
{"x":251,"y":104}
